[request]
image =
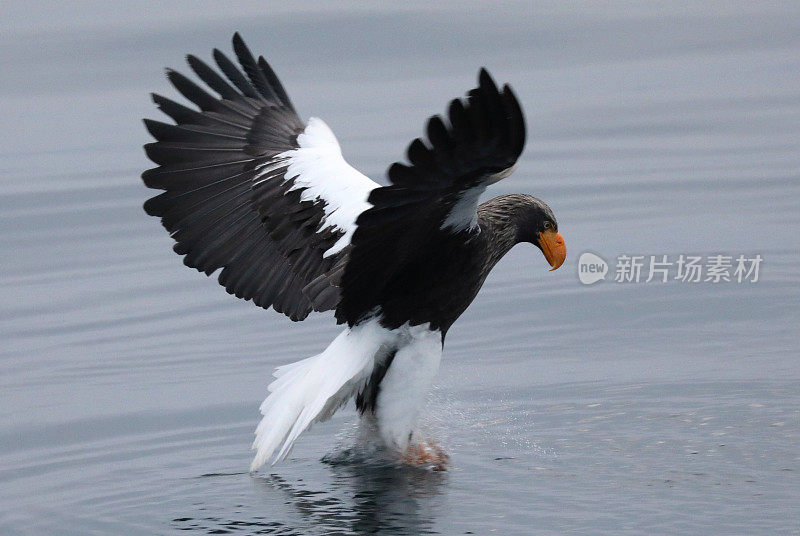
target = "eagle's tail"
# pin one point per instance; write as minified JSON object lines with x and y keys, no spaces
{"x":312,"y":389}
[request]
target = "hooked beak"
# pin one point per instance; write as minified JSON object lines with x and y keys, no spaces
{"x":553,"y":247}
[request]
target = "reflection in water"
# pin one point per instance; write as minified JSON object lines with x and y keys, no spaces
{"x":369,"y":498}
{"x":359,"y":497}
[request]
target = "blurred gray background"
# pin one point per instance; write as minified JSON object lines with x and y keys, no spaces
{"x":130,"y":384}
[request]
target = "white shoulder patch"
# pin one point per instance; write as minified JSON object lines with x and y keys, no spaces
{"x":318,"y":166}
{"x":464,"y":214}
{"x":497,"y":177}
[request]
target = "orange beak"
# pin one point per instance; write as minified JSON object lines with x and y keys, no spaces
{"x":553,"y":247}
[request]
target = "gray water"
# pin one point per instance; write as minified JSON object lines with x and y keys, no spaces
{"x":130,"y":384}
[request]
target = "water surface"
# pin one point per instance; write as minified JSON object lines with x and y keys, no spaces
{"x":130,"y":384}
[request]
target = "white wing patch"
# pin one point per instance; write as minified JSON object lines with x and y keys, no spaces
{"x":318,"y":166}
{"x":464,"y":214}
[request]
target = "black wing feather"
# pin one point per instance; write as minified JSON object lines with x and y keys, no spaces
{"x":262,"y":237}
{"x":482,"y":136}
{"x":254,"y":73}
{"x":235,"y":76}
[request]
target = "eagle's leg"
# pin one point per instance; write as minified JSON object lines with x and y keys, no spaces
{"x":402,"y":392}
{"x":426,"y":454}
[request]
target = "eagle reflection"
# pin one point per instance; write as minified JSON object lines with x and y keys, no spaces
{"x":367,"y":499}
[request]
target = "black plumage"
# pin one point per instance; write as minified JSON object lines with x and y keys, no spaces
{"x":262,"y":236}
{"x":419,"y":253}
{"x":251,"y":191}
{"x":405,"y":261}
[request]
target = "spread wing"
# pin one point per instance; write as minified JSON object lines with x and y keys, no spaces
{"x":435,"y":196}
{"x":250,"y":189}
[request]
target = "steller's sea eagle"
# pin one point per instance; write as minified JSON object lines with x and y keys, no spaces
{"x":252,"y":190}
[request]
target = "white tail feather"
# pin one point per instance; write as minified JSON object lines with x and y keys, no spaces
{"x":312,"y":389}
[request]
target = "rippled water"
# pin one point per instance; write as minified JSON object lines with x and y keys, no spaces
{"x":130,"y":384}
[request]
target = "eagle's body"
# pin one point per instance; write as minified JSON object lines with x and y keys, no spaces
{"x":252,"y":190}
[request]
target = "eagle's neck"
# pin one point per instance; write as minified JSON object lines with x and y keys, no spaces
{"x":500,"y":224}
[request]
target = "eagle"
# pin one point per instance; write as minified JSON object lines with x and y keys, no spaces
{"x":252,"y":192}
